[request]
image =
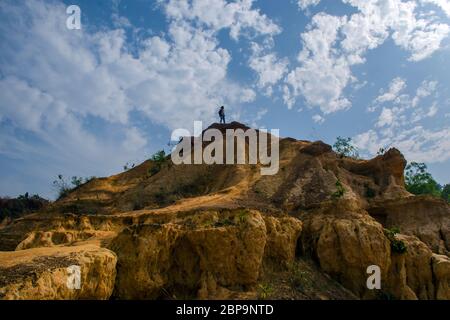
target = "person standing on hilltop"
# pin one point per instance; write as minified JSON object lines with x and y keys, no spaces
{"x":222,"y":114}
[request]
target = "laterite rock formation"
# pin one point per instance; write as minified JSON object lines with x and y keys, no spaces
{"x":227,"y":232}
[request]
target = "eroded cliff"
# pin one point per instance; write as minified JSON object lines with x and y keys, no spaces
{"x":226,"y":231}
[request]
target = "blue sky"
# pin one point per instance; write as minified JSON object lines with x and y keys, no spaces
{"x":85,"y":102}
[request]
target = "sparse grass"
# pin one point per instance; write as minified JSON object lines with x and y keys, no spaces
{"x":265,"y":291}
{"x":154,"y":170}
{"x":138,"y":201}
{"x":299,"y":279}
{"x":82,"y":207}
{"x":224,"y":222}
{"x":242,"y":216}
{"x":164,"y":198}
{"x":195,"y":188}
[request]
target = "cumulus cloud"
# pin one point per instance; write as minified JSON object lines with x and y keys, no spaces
{"x":304,"y":4}
{"x":269,"y":68}
{"x":239,"y":16}
{"x":421,"y":36}
{"x":397,"y":85}
{"x":317,"y":118}
{"x":426,"y":89}
{"x":417,"y":143}
{"x":386,"y":118}
{"x":134,"y":139}
{"x":399,"y":124}
{"x":333,"y":45}
{"x":323,"y":74}
{"x":443,"y":4}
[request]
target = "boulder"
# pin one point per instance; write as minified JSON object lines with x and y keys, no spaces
{"x":43,"y":274}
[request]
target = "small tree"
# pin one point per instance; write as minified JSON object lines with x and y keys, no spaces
{"x":382,"y":151}
{"x":419,"y":181}
{"x":445,"y":193}
{"x":344,"y":147}
{"x":128,"y":166}
{"x":159,"y":159}
{"x":77,"y":181}
{"x":62,"y":187}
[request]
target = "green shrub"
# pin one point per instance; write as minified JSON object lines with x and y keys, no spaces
{"x":23,"y":204}
{"x":63,"y":188}
{"x":397,"y":246}
{"x":381,"y":151}
{"x":265,"y":291}
{"x":128,"y":166}
{"x":340,"y":191}
{"x":158,"y":159}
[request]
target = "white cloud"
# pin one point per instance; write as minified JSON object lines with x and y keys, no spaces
{"x":238,"y":16}
{"x":317,"y":118}
{"x":379,"y":18}
{"x":134,"y":140}
{"x":303,"y":4}
{"x":397,"y":85}
{"x":269,"y":68}
{"x":332,"y":45}
{"x":426,"y":89}
{"x":386,"y":118}
{"x":323,"y":74}
{"x":432,"y":111}
{"x":254,"y":120}
{"x":399,"y":125}
{"x":443,"y":4}
{"x":417,"y":144}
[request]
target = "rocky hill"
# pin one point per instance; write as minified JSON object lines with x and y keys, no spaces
{"x":162,"y":231}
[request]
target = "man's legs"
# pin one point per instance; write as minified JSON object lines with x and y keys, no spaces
{"x":222,"y":119}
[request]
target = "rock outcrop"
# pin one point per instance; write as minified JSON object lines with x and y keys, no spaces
{"x":206,"y":254}
{"x":227,"y":232}
{"x":42,"y":273}
{"x":426,"y":217}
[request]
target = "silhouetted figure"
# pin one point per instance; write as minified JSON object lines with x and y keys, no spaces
{"x":222,"y":114}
